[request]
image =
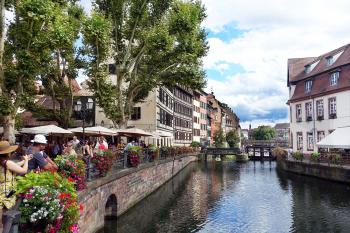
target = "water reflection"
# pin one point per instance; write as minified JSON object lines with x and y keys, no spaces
{"x":239,"y":197}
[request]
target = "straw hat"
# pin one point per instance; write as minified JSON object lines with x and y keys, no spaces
{"x":6,"y":148}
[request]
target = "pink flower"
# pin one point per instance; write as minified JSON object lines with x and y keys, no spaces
{"x":74,"y":228}
{"x":29,"y":196}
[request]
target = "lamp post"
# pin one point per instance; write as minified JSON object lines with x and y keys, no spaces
{"x":83,"y":109}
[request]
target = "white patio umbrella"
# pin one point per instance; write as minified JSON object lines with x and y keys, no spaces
{"x":136,"y":132}
{"x":45,"y":129}
{"x":339,"y":139}
{"x":99,"y":130}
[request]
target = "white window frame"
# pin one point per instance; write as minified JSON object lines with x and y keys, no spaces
{"x":334,"y":78}
{"x":299,"y":140}
{"x":320,"y":135}
{"x":308,"y":109}
{"x":310,"y":141}
{"x":298,"y":112}
{"x":308,"y":85}
{"x":320,"y":108}
{"x":332,"y":105}
{"x":330,"y":60}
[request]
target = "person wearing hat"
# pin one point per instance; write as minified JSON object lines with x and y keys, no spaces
{"x":8,"y":171}
{"x":40,"y":159}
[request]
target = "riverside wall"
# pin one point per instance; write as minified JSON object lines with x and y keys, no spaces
{"x":113,"y":195}
{"x":321,"y":170}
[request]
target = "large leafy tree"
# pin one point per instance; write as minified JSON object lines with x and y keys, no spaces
{"x":232,"y":138}
{"x":264,"y":133}
{"x":38,"y":39}
{"x":219,"y":138}
{"x":23,"y":51}
{"x":153,"y":42}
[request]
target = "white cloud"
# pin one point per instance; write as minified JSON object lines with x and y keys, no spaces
{"x":273,"y":32}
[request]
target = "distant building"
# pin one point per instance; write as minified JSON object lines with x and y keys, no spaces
{"x":319,"y":97}
{"x":282,"y":131}
{"x":245,"y":133}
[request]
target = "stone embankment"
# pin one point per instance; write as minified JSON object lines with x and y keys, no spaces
{"x":113,"y":195}
{"x":321,"y":170}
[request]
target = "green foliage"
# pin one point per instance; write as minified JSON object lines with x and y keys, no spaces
{"x":232,"y":138}
{"x":195,"y":144}
{"x":298,"y":155}
{"x":315,"y":156}
{"x":153,"y":43}
{"x":219,"y":138}
{"x":279,"y":152}
{"x":54,"y":180}
{"x":264,"y":133}
{"x":334,"y":158}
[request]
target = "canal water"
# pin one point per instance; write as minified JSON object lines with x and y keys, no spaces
{"x":232,"y":197}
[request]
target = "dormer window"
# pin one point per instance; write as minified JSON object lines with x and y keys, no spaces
{"x":334,"y":78}
{"x":330,"y":60}
{"x":307,"y":69}
{"x":308,"y":85}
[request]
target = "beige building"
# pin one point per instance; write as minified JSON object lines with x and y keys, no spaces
{"x":196,"y":117}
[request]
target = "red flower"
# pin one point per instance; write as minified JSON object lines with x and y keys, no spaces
{"x":70,"y":179}
{"x":62,"y":196}
{"x":81,"y":207}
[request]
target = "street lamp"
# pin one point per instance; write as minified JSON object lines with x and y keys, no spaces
{"x":83,"y":109}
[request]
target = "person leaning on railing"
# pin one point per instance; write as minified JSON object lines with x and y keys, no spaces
{"x":8,"y":171}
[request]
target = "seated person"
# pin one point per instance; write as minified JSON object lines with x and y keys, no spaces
{"x":40,"y":159}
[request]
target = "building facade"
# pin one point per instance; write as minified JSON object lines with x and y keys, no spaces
{"x":282,"y":131}
{"x":196,"y":117}
{"x":319,"y":97}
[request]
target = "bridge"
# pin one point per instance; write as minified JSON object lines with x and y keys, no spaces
{"x":262,"y":149}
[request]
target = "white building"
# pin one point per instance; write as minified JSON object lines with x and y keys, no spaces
{"x":196,"y":117}
{"x":319,"y":97}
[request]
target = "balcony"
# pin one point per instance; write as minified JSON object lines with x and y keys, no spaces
{"x":309,"y":118}
{"x":332,"y":116}
{"x":320,"y":118}
{"x":299,"y":119}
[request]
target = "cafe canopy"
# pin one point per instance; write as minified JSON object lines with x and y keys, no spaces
{"x":46,"y":129}
{"x":339,"y":139}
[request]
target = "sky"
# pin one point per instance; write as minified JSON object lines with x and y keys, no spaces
{"x":250,"y":42}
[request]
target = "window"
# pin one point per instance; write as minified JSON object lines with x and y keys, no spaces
{"x":308,"y":108}
{"x":329,"y":60}
{"x":112,"y":69}
{"x":308,"y":85}
{"x":307,"y":69}
{"x":332,"y":108}
{"x":334,"y":78}
{"x":310,"y":141}
{"x":299,"y":141}
{"x":320,"y":135}
{"x":298,"y":112}
{"x":319,"y":108}
{"x":136,"y":113}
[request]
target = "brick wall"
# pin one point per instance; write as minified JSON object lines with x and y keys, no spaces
{"x":129,"y":187}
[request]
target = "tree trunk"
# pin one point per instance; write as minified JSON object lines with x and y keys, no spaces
{"x":9,"y":128}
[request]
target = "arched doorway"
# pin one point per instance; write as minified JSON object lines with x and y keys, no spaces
{"x":111,"y":207}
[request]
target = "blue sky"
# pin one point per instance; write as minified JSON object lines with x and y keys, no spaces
{"x":250,"y":42}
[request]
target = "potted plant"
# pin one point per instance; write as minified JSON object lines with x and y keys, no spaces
{"x":134,"y":154}
{"x":298,"y":155}
{"x":102,"y":161}
{"x":153,"y":152}
{"x":334,"y":158}
{"x":71,"y":167}
{"x":49,"y":203}
{"x":315,"y":156}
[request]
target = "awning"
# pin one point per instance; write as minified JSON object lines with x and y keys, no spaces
{"x":133,"y":132}
{"x":339,"y":139}
{"x":45,"y":129}
{"x":162,"y":134}
{"x":96,"y":130}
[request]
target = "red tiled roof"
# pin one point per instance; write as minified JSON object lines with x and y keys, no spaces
{"x":321,"y":85}
{"x":296,"y":66}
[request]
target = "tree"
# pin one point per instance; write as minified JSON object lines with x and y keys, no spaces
{"x":232,"y":138}
{"x":219,"y":138}
{"x":264,"y":133}
{"x":23,"y":51}
{"x":154,"y":42}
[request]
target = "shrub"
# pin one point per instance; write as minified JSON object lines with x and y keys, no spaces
{"x":334,"y":158}
{"x":195,"y":144}
{"x":315,"y":156}
{"x":74,"y":168}
{"x":49,"y":203}
{"x":298,"y":155}
{"x":279,"y":153}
